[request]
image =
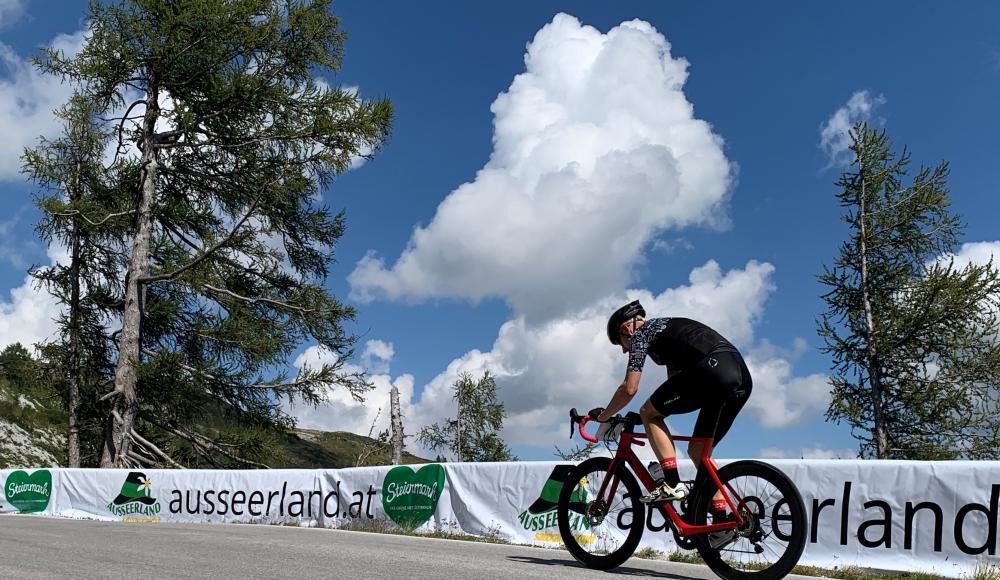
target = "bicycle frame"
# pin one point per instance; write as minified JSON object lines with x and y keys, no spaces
{"x":627,"y":456}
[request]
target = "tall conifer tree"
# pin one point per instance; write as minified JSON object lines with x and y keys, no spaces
{"x":914,"y":338}
{"x":220,"y":136}
{"x":69,"y":172}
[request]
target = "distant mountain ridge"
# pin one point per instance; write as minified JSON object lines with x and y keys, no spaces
{"x":308,"y":448}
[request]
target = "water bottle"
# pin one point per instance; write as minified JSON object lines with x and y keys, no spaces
{"x":656,"y":470}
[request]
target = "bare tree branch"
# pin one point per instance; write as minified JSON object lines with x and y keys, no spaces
{"x":276,"y":303}
{"x":142,"y":441}
{"x":89,"y":221}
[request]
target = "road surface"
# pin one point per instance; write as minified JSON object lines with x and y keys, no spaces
{"x":33,"y":547}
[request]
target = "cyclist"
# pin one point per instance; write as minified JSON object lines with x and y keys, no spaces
{"x":705,"y":371}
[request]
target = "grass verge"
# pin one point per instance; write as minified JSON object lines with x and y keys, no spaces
{"x":845,"y":573}
{"x":445,"y":531}
{"x":986,"y":572}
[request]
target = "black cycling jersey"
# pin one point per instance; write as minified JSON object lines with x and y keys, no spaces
{"x":675,"y":342}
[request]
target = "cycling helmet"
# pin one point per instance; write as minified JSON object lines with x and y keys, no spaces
{"x":621,"y":316}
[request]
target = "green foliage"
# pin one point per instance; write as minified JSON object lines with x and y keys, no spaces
{"x":22,"y":376}
{"x":474,"y":434}
{"x":578,"y":453}
{"x":85,"y":212}
{"x":206,"y":128}
{"x":914,"y":338}
{"x":648,"y":553}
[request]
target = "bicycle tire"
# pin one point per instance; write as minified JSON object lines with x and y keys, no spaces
{"x":591,"y":469}
{"x":796,"y":516}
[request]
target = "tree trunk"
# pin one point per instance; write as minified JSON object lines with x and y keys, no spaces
{"x":397,"y":427}
{"x":73,"y":438}
{"x":126,"y":406}
{"x":881,"y":434}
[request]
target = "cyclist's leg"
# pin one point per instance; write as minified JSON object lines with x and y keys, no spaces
{"x":670,"y":398}
{"x":705,"y":428}
{"x":667,"y":400}
{"x":736,"y":390}
{"x":729,"y":385}
{"x":725,"y":389}
{"x":656,"y":432}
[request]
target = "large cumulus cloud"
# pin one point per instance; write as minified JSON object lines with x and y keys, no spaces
{"x":596,"y":151}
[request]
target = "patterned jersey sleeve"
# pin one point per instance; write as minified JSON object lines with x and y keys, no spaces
{"x":637,"y":351}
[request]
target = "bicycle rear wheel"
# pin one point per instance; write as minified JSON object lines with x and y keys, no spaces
{"x":769,"y":543}
{"x":600,"y":532}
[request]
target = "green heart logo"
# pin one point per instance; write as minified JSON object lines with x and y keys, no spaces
{"x":29,"y":493}
{"x":409,"y":497}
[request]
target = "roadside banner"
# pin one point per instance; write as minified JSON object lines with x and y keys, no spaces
{"x":938,"y":517}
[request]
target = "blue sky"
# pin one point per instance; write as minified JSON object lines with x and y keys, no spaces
{"x":677,"y":159}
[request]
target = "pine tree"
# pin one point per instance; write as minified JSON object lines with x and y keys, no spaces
{"x":914,"y":338}
{"x":474,"y":434}
{"x":220,"y":136}
{"x":69,"y":173}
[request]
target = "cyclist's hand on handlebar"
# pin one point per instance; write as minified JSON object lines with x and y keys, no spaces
{"x":595,"y":413}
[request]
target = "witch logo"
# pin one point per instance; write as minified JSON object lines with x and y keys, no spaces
{"x":136,"y":498}
{"x":541,"y":516}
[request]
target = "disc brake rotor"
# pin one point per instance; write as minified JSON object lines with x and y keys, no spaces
{"x":596,"y":512}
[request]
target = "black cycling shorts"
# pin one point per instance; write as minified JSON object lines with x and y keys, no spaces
{"x":718,"y":384}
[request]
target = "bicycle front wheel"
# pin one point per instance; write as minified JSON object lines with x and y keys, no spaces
{"x":769,"y":543}
{"x":601,"y":531}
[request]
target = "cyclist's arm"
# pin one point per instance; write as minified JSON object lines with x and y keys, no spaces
{"x":622,"y":396}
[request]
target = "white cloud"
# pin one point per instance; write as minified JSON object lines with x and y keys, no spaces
{"x":544,"y":368}
{"x":339,"y":411}
{"x":780,"y":399}
{"x":10,"y":11}
{"x":30,"y":315}
{"x":816,"y":452}
{"x":315,"y":357}
{"x":27,"y":100}
{"x":975,"y":253}
{"x":672,"y":246}
{"x":377,"y":356}
{"x":835,"y":138}
{"x":596,"y":151}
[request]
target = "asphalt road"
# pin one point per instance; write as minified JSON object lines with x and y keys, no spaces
{"x":33,"y":547}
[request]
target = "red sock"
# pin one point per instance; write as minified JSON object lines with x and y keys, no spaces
{"x":669,"y":466}
{"x":719,"y":505}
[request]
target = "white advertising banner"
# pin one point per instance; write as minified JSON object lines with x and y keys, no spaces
{"x":936,"y":517}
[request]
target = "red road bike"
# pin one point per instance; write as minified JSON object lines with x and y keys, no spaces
{"x":601,"y":519}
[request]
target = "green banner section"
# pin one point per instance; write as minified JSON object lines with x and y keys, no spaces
{"x":29,"y":493}
{"x":409,"y":497}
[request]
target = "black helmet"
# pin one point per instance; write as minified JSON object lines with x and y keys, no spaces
{"x":621,"y":316}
